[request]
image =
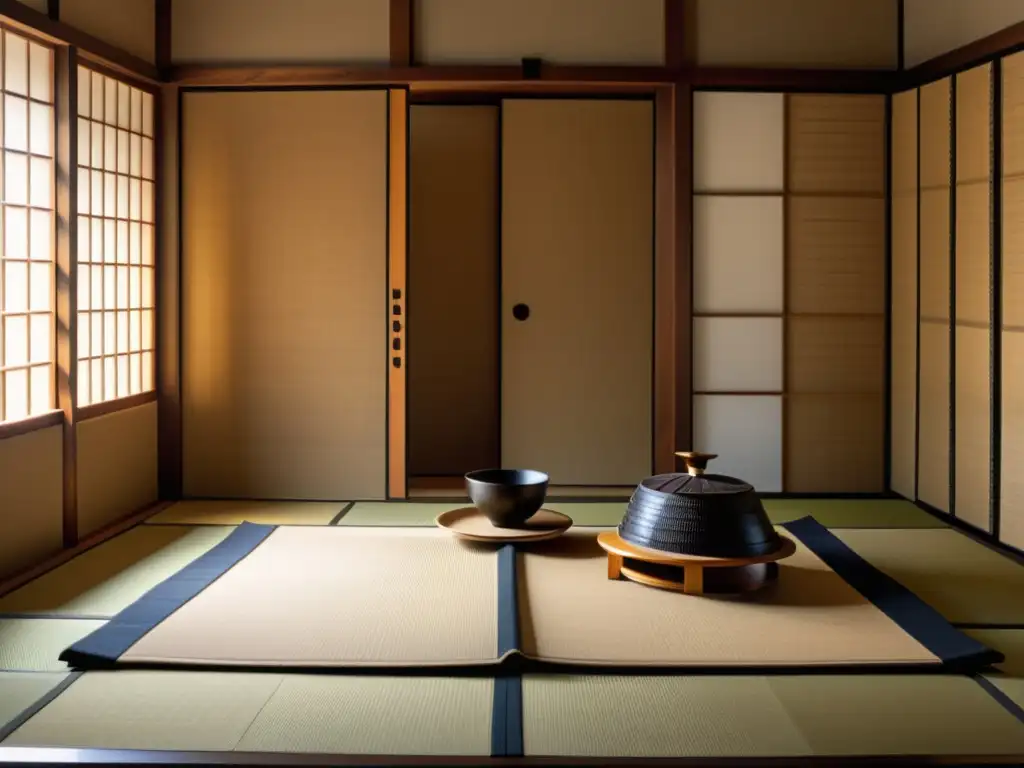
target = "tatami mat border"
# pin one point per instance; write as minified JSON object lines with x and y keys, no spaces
{"x":507,"y":717}
{"x":1001,"y":698}
{"x":104,"y":646}
{"x":508,"y":601}
{"x":6,"y":729}
{"x":913,"y":615}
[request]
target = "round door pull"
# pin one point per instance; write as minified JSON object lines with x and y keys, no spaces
{"x":520,"y":312}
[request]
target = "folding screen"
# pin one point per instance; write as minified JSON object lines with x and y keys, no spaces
{"x":933,"y":468}
{"x":903,"y":370}
{"x":285,"y":353}
{"x":738,"y":283}
{"x":835,"y":297}
{"x":972,"y":298}
{"x":1011,"y":519}
{"x":789,"y":287}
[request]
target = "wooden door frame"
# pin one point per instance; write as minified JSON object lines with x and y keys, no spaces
{"x":670,"y":408}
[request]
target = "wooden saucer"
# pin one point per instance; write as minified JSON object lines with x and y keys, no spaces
{"x":471,"y":524}
{"x":700,"y":575}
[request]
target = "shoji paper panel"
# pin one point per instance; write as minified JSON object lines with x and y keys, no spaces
{"x":836,"y":293}
{"x":972,"y":362}
{"x":737,"y":354}
{"x":903,"y":365}
{"x":836,"y":255}
{"x":746,"y":432}
{"x":1011,"y":514}
{"x":737,"y":254}
{"x":933,"y":397}
{"x":836,"y":144}
{"x":738,"y":248}
{"x":738,"y":142}
{"x":559,"y":31}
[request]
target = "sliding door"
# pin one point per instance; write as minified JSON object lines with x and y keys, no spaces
{"x":284,"y":294}
{"x":577,"y":299}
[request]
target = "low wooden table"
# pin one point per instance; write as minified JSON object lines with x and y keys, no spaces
{"x":731,"y":574}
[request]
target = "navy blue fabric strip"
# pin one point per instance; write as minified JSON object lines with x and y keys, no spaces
{"x":1004,"y":701}
{"x":508,"y":605}
{"x":104,"y":647}
{"x":913,"y":615}
{"x":507,"y":717}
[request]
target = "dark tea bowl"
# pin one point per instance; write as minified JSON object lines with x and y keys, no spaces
{"x":507,"y":497}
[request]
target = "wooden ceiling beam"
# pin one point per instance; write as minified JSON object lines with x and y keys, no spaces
{"x":401,"y":33}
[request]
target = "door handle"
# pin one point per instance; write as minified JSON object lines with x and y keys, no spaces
{"x":521,"y":312}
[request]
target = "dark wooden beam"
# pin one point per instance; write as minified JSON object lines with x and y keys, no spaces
{"x":21,"y":16}
{"x":791,"y":80}
{"x":162,"y":44}
{"x":485,"y":77}
{"x":998,"y":44}
{"x":402,"y":32}
{"x":673,"y":429}
{"x":66,"y":250}
{"x":53,"y":9}
{"x":901,"y":35}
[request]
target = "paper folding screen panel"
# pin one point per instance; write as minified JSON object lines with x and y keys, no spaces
{"x":933,"y":471}
{"x":738,"y":290}
{"x":1011,"y":522}
{"x":972,"y":297}
{"x":903,"y":370}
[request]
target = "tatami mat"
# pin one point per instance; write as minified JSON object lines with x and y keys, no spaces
{"x":711,"y":716}
{"x":20,"y":690}
{"x":375,"y":715}
{"x":598,"y":716}
{"x":965,"y":581}
{"x":34,"y":644}
{"x":150,"y":710}
{"x":1010,"y":676}
{"x":236,"y":512}
{"x":322,"y":597}
{"x":107,"y":578}
{"x":266,"y":713}
{"x":898,"y":714}
{"x":852,"y":513}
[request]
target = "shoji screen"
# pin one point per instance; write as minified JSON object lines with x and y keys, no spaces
{"x":933,"y":476}
{"x":903,"y":370}
{"x":972,"y":297}
{"x":738,"y":288}
{"x":1011,"y":514}
{"x":835,"y":296}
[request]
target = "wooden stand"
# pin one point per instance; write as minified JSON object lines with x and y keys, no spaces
{"x":700,"y":575}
